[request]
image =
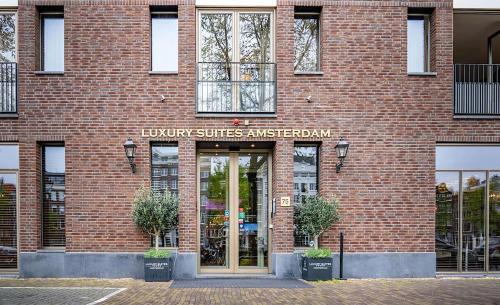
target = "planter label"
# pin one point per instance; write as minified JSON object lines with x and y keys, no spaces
{"x":156,"y":266}
{"x":320,"y":266}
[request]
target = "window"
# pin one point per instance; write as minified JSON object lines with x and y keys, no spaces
{"x":9,"y":164}
{"x":305,"y":167}
{"x":7,"y":37}
{"x":164,"y":163}
{"x":52,"y":42}
{"x":467,"y":232}
{"x":9,"y":156}
{"x":53,"y":186}
{"x":164,"y":41}
{"x":307,"y":42}
{"x":235,"y":71}
{"x":418,"y":43}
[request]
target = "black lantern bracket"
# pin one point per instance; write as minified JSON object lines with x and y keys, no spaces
{"x":130,"y":149}
{"x":341,"y":149}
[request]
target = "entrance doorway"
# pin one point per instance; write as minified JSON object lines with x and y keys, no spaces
{"x":233,"y":216}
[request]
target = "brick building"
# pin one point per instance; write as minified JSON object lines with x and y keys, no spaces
{"x":238,"y":109}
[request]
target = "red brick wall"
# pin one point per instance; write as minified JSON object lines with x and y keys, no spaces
{"x":106,"y":94}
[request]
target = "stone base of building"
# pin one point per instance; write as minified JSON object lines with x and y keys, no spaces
{"x":365,"y":265}
{"x":97,"y":265}
{"x":284,"y":265}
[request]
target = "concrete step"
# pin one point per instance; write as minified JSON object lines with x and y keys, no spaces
{"x":9,"y":275}
{"x":467,"y":275}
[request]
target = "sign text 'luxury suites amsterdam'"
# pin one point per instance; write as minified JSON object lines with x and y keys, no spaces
{"x":235,"y":133}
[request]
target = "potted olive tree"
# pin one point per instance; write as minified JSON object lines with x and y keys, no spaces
{"x":315,"y":216}
{"x":155,"y":213}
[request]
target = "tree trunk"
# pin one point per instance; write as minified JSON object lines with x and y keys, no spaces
{"x":157,"y":243}
{"x":316,"y":238}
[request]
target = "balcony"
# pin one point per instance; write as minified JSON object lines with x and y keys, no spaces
{"x":236,"y":87}
{"x":477,"y":89}
{"x":476,"y":57}
{"x":8,"y":88}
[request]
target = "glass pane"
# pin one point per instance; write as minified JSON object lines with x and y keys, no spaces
{"x":54,"y":159}
{"x":447,"y":220}
{"x":494,"y":243}
{"x":306,"y":43}
{"x":215,"y":69}
{"x":164,"y":42}
{"x":468,"y":157}
{"x":214,"y":210}
{"x":416,"y":45}
{"x":9,"y":156}
{"x":53,"y":44}
{"x":54,"y":188}
{"x":8,"y":37}
{"x":473,"y":239}
{"x":164,"y":175}
{"x":216,"y":35}
{"x":255,"y":72}
{"x":305,"y":181}
{"x":255,"y":38}
{"x":252,"y":212}
{"x":8,"y":222}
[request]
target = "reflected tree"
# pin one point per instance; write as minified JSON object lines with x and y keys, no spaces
{"x":7,"y":37}
{"x":306,"y":43}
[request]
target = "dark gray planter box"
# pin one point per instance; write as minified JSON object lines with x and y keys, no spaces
{"x":157,"y":269}
{"x":317,"y":269}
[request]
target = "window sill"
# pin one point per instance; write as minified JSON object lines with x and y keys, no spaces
{"x":49,"y":72}
{"x":318,"y":73}
{"x":9,"y":115}
{"x":476,"y":117}
{"x":236,"y":114}
{"x":422,"y":73}
{"x":51,"y":250}
{"x":163,"y":72}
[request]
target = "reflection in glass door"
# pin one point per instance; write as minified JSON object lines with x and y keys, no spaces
{"x":214,"y":210}
{"x":494,"y":222}
{"x":447,"y":220}
{"x":233,"y":203}
{"x":473,"y":237}
{"x":8,"y":221}
{"x":252,"y":210}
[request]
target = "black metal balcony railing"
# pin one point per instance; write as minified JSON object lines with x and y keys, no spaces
{"x":229,"y":87}
{"x":477,"y":89}
{"x":8,"y":87}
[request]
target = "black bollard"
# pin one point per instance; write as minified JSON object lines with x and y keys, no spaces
{"x":341,"y":260}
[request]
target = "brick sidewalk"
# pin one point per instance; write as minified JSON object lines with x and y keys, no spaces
{"x":401,"y":292}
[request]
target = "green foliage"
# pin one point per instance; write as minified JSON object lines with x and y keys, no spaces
{"x":318,"y":253}
{"x":155,"y":212}
{"x":316,"y":215}
{"x":153,"y":253}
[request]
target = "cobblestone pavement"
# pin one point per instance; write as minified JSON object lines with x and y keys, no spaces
{"x":401,"y":292}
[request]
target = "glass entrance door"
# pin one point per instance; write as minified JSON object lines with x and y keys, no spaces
{"x":233,"y":212}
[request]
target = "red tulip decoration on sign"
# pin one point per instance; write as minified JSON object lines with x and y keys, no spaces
{"x":236,"y":122}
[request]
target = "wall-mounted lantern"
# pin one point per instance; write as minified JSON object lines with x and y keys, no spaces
{"x":130,"y":148}
{"x":341,"y":149}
